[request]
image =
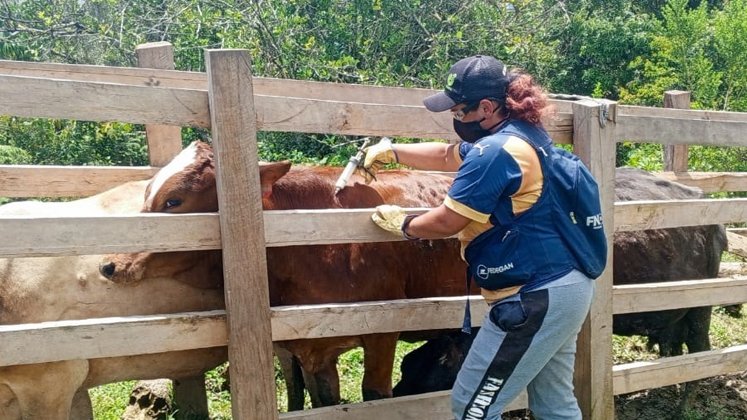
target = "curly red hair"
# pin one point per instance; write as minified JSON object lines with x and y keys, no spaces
{"x":525,"y":99}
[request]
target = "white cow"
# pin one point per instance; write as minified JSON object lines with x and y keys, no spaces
{"x":66,"y":288}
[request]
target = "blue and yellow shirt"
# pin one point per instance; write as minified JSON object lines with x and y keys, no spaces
{"x":494,"y":180}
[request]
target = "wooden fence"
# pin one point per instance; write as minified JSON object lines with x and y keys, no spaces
{"x":235,"y":105}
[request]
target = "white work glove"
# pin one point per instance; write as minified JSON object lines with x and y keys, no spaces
{"x":377,"y":156}
{"x":393,"y":219}
{"x":389,"y":218}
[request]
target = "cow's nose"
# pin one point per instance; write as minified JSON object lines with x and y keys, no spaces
{"x":107,"y":270}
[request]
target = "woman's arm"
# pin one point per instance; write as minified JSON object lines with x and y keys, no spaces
{"x":428,"y":156}
{"x":439,"y":222}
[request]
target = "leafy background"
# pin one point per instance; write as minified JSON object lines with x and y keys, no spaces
{"x":630,"y":51}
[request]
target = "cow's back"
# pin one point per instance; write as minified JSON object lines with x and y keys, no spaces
{"x":684,"y":253}
{"x":123,"y":199}
{"x":658,"y":255}
{"x":362,"y":271}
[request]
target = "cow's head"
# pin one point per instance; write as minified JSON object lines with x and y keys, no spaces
{"x":186,"y":185}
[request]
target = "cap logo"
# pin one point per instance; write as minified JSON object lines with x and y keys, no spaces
{"x":450,"y":79}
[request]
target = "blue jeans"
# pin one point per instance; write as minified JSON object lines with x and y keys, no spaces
{"x":526,"y":341}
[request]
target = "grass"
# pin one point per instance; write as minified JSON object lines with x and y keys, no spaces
{"x":109,"y":400}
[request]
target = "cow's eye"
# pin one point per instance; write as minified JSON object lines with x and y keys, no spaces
{"x":174,"y":202}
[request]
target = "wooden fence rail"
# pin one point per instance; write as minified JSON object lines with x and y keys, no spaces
{"x":710,"y":182}
{"x":75,"y":235}
{"x":28,"y":343}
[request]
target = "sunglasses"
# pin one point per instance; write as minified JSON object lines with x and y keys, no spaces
{"x":466,"y":109}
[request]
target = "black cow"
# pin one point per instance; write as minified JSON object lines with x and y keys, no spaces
{"x":684,"y":253}
{"x":434,"y":365}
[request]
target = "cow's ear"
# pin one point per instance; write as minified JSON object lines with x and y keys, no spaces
{"x":270,"y":172}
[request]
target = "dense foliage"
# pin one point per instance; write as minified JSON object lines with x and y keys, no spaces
{"x":631,"y":51}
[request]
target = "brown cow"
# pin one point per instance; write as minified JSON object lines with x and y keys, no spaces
{"x":56,"y":288}
{"x":316,"y":273}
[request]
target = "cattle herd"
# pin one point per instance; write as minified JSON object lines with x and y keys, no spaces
{"x":47,"y":289}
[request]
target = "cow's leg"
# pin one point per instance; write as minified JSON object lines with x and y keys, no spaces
{"x":8,"y":403}
{"x":46,"y":390}
{"x":378,"y":362}
{"x":697,"y":324}
{"x":293,"y":377}
{"x":671,"y":339}
{"x":190,"y":396}
{"x":671,"y":332}
{"x":82,"y":406}
{"x":322,"y":381}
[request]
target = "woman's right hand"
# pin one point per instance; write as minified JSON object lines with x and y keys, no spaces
{"x":378,"y":155}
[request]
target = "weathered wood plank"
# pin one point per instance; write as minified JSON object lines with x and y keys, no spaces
{"x":732,"y":269}
{"x":675,"y":155}
{"x":737,"y":244}
{"x":276,"y":113}
{"x":678,"y":294}
{"x":135,"y":233}
{"x":111,"y":337}
{"x":434,"y":405}
{"x":234,"y":132}
{"x":194,"y":80}
{"x":638,"y":376}
{"x":656,"y":214}
{"x":262,"y":85}
{"x":48,"y":98}
{"x":709,"y":182}
{"x":208,"y":329}
{"x":680,"y":126}
{"x":66,"y":181}
{"x":106,"y":74}
{"x":595,"y":145}
{"x":56,"y":236}
{"x":338,"y":320}
{"x":88,"y":101}
{"x":164,"y":141}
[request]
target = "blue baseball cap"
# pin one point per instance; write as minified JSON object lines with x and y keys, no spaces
{"x":470,"y":80}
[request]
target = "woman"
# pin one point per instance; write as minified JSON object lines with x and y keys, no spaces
{"x":538,"y":296}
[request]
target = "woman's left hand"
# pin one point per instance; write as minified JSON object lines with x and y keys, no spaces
{"x":390,"y":218}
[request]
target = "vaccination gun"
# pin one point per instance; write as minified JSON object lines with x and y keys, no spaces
{"x":353,"y":163}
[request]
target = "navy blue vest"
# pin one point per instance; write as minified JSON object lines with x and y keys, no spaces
{"x":530,"y":249}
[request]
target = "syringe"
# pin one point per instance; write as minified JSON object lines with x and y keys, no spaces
{"x":353,"y":163}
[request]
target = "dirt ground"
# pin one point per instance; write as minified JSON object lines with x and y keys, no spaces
{"x":717,"y":398}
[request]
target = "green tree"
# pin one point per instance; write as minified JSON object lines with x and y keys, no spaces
{"x":680,"y":59}
{"x":730,"y":28}
{"x":62,"y":142}
{"x":597,"y":45}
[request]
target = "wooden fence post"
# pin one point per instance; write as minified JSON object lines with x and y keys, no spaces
{"x":675,"y":155}
{"x":234,"y":131}
{"x":594,"y":141}
{"x":164,"y":141}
